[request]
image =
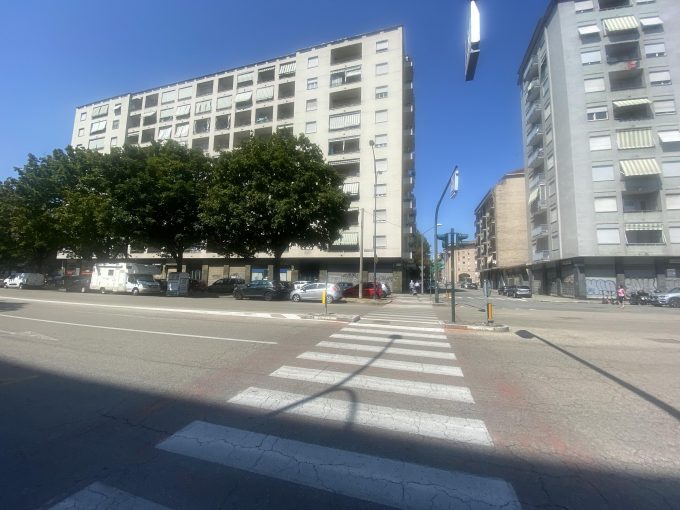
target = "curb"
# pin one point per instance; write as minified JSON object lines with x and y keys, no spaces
{"x":500,"y":328}
{"x":330,"y":317}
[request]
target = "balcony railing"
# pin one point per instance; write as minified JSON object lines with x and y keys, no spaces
{"x":539,"y":231}
{"x":534,"y":113}
{"x":535,"y":157}
{"x":541,"y":255}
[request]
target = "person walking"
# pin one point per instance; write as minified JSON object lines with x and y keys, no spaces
{"x":416,"y":287}
{"x":411,"y":287}
{"x":621,"y":296}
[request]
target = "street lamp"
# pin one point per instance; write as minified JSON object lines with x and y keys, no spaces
{"x":375,"y":221}
{"x":422,"y":255}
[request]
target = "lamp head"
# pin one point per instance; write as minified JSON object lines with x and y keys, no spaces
{"x":371,"y":143}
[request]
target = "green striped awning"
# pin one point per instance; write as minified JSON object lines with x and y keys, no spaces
{"x":287,"y":68}
{"x":638,"y":167}
{"x":644,"y":226}
{"x":631,"y":102}
{"x":347,"y":239}
{"x":634,"y":138}
{"x":351,"y":188}
{"x":621,"y":24}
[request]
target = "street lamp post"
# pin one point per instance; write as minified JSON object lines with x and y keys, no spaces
{"x":422,"y":255}
{"x":453,"y":182}
{"x":375,"y":222}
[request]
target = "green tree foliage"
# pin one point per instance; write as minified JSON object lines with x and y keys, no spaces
{"x":270,"y":194}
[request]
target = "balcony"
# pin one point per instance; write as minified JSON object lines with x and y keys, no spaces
{"x":629,"y":79}
{"x":535,"y":136}
{"x":531,"y":70}
{"x":346,"y":76}
{"x":345,"y":99}
{"x":346,"y":54}
{"x":535,"y":158}
{"x":541,"y":255}
{"x":532,"y":91}
{"x":539,"y":231}
{"x":534,"y":114}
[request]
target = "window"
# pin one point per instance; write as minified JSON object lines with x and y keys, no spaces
{"x":310,"y":127}
{"x":594,"y":84}
{"x":147,"y":135}
{"x":135,"y":104}
{"x":164,"y":133}
{"x":608,"y":236}
{"x":117,"y":108}
{"x":664,"y":106}
{"x":183,"y":110}
{"x":655,"y":49}
{"x":98,"y":127}
{"x":114,"y":141}
{"x":150,"y":118}
{"x":223,"y":102}
{"x":671,"y":168}
{"x":225,"y":83}
{"x":674,"y":233}
{"x":660,"y":78}
{"x":644,"y":233}
{"x":181,"y":130}
{"x":311,"y":105}
{"x":597,"y":113}
{"x":381,"y":166}
{"x":343,"y":146}
{"x":381,"y":215}
{"x":312,"y":62}
{"x":222,"y":122}
{"x":634,"y":138}
{"x":312,"y":83}
{"x":99,"y":111}
{"x":381,"y":140}
{"x":669,"y":136}
{"x":600,"y":143}
{"x":605,"y":204}
{"x":380,"y":190}
{"x":344,"y":121}
{"x":201,"y":126}
{"x":184,"y":93}
{"x":381,"y":92}
{"x":203,"y":107}
{"x":81,"y":132}
{"x":381,"y":69}
{"x":151,"y":100}
{"x":651,"y":22}
{"x":264,"y":93}
{"x":591,"y":57}
{"x":603,"y":173}
{"x":381,"y":241}
{"x":244,"y":79}
{"x":553,"y":215}
{"x":380,"y":116}
{"x":588,"y":30}
{"x":83,"y":116}
{"x":286,"y":70}
{"x":168,"y":96}
{"x":583,"y":5}
{"x":381,"y":46}
{"x":96,"y":143}
{"x":346,"y":76}
{"x":166,"y":114}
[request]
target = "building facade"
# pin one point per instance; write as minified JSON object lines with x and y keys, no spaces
{"x":501,"y":232}
{"x":352,"y":97}
{"x":464,"y":262}
{"x":599,"y":85}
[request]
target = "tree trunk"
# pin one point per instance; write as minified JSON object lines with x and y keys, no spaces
{"x":276,"y":277}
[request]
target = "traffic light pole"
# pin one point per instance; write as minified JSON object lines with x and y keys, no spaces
{"x":436,"y":218}
{"x":452,"y":243}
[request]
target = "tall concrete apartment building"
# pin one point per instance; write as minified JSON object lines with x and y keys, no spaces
{"x":352,"y":97}
{"x":599,"y":88}
{"x":501,"y":232}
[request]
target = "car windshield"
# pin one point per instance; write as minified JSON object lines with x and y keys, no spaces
{"x":676,"y":290}
{"x":145,"y":278}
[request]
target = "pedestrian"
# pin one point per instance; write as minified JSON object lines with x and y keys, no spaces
{"x":621,"y":295}
{"x":417,"y":287}
{"x":411,"y":287}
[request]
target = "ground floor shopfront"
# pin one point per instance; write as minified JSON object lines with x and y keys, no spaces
{"x":591,"y":277}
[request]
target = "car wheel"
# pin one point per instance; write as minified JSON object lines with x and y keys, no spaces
{"x":295,"y":298}
{"x":268,"y":296}
{"x":238,"y":295}
{"x":329,"y":299}
{"x":135,"y":292}
{"x":674,"y":303}
{"x":21,"y":285}
{"x":83,"y":290}
{"x":102,"y":290}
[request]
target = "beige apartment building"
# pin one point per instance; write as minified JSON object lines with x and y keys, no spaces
{"x":464,"y":263}
{"x":501,"y":232}
{"x":352,"y":97}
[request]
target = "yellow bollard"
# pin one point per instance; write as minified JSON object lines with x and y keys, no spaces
{"x":489,"y":313}
{"x":323,"y":297}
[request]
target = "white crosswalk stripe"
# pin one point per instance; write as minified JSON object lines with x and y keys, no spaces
{"x":388,"y":340}
{"x":407,"y":366}
{"x":359,"y":329}
{"x":388,"y":350}
{"x":392,"y":327}
{"x":98,"y":495}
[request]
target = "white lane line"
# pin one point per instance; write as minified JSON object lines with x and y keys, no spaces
{"x":387,"y":350}
{"x":148,"y":332}
{"x":386,"y":340}
{"x":399,"y":316}
{"x":354,"y":329}
{"x":367,"y":382}
{"x":406,"y":366}
{"x":378,"y":480}
{"x":405,"y":321}
{"x":449,"y":428}
{"x":98,"y":495}
{"x":407,"y":328}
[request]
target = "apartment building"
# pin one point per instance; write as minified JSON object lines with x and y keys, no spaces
{"x":352,"y":97}
{"x":599,"y":87}
{"x":464,"y":262}
{"x":501,"y":232}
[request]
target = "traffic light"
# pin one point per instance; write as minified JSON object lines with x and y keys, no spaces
{"x":460,"y":238}
{"x":444,"y":238}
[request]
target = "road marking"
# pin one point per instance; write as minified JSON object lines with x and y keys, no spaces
{"x":387,"y":340}
{"x":367,"y":382}
{"x":407,"y":366}
{"x":98,"y":495}
{"x":392,"y":483}
{"x":148,"y":332}
{"x":437,"y":426}
{"x":405,"y":328}
{"x":387,"y":350}
{"x":358,"y":329}
{"x":405,"y":321}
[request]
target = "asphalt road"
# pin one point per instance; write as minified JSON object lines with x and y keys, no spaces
{"x":151,"y":402}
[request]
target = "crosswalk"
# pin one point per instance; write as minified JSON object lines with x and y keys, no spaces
{"x":388,"y":353}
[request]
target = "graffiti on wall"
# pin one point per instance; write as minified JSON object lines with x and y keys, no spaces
{"x":598,"y":287}
{"x":636,"y":284}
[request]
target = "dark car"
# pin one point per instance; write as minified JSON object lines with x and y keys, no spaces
{"x":521,"y":291}
{"x":265,"y":289}
{"x":501,"y":289}
{"x":509,"y":290}
{"x":343,"y":286}
{"x":472,"y":286}
{"x":76,"y":283}
{"x":225,"y":285}
{"x":197,"y":285}
{"x":367,"y":291}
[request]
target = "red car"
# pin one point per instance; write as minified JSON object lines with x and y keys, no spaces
{"x":367,"y":291}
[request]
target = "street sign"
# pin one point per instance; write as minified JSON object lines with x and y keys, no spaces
{"x":472,"y":42}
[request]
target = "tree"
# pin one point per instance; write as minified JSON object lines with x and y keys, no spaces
{"x":270,"y":194}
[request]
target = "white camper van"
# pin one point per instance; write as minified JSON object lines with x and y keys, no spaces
{"x":25,"y":280}
{"x":123,"y":277}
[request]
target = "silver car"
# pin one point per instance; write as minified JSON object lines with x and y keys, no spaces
{"x":314,"y":292}
{"x":670,"y":298}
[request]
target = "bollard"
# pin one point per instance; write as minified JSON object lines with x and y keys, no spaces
{"x":489,"y":313}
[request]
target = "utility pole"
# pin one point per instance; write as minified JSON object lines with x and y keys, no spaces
{"x":361,"y":253}
{"x":453,"y":182}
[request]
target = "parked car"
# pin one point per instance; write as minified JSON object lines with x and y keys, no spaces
{"x":501,"y":289}
{"x":300,"y":283}
{"x":509,"y":290}
{"x":314,"y":292}
{"x":670,"y":298}
{"x":225,"y":285}
{"x":25,"y":281}
{"x":521,"y":291}
{"x":367,"y":291}
{"x":470,"y":285}
{"x":76,"y":283}
{"x":262,"y":289}
{"x":344,"y":285}
{"x":5,"y":281}
{"x":197,"y":285}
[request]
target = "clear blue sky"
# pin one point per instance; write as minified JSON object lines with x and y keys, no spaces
{"x":57,"y":55}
